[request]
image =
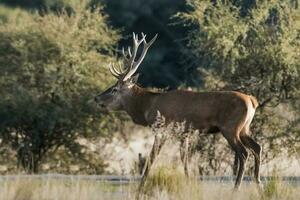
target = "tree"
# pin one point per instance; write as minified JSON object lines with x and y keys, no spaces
{"x":162,"y":67}
{"x":254,"y":50}
{"x":50,"y":68}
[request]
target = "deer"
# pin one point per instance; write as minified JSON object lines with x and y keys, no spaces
{"x":227,"y":112}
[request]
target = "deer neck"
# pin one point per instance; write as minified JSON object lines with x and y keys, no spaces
{"x":137,"y":104}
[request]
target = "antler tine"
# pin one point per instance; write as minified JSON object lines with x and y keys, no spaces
{"x":125,"y":54}
{"x":129,"y":52}
{"x":120,"y":69}
{"x":136,"y":44}
{"x":134,"y":65}
{"x":144,"y":36}
{"x":134,"y":36}
{"x":151,"y":41}
{"x":113,"y":71}
{"x":130,"y":56}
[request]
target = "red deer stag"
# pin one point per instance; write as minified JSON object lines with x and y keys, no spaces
{"x":227,"y":112}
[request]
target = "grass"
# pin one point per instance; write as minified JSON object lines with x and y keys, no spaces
{"x":276,"y":189}
{"x":56,"y":189}
{"x":164,"y":184}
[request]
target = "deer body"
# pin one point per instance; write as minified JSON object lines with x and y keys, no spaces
{"x":202,"y":110}
{"x":228,"y":112}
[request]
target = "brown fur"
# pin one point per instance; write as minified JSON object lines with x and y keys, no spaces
{"x":254,"y":101}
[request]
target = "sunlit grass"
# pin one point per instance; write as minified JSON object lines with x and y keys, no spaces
{"x":163,"y":184}
{"x":49,"y":188}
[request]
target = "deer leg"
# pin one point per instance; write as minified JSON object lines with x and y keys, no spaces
{"x":241,"y":152}
{"x":235,"y":164}
{"x":243,"y":156}
{"x":184,"y":153}
{"x":256,"y":150}
{"x":156,"y":147}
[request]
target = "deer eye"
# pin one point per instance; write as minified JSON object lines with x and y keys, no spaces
{"x":114,"y":90}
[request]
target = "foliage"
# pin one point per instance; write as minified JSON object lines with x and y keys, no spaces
{"x":43,"y":5}
{"x":161,"y":67}
{"x":13,"y":15}
{"x":51,"y":66}
{"x":255,"y":51}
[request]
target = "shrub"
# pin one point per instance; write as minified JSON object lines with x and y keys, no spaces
{"x":51,"y":66}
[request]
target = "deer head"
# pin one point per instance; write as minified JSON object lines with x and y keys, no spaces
{"x":114,"y":97}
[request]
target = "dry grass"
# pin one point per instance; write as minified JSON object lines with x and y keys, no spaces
{"x":165,"y":184}
{"x":54,"y":189}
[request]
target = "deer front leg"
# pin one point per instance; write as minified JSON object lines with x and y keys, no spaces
{"x":157,"y":145}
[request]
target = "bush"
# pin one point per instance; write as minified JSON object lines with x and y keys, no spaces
{"x":51,"y":67}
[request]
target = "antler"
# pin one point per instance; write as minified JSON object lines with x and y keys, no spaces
{"x":118,"y":73}
{"x":130,"y":57}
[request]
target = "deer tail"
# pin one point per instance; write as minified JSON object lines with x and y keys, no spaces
{"x":254,"y":101}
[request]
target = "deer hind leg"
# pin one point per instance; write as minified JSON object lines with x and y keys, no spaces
{"x":256,"y":150}
{"x":156,"y":147}
{"x":241,"y":152}
{"x":243,"y":156}
{"x":235,"y":165}
{"x":184,"y":153}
